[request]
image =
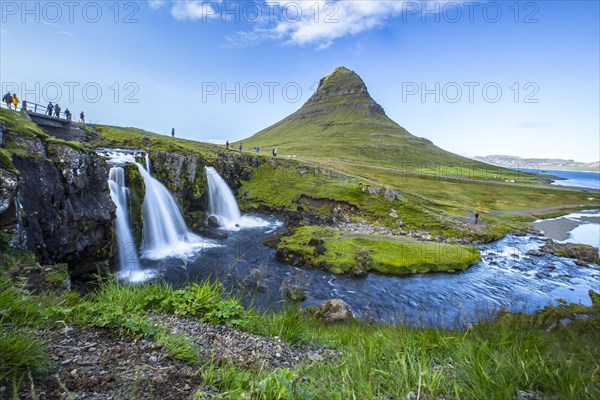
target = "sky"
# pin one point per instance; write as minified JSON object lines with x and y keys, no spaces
{"x":475,"y":77}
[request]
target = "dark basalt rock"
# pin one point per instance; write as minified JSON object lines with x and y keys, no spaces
{"x":213,"y":222}
{"x":61,"y":207}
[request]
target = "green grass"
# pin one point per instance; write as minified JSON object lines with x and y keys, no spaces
{"x":348,"y":252}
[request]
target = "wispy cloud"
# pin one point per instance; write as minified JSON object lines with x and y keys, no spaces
{"x":317,"y":23}
{"x":194,"y":9}
{"x":156,"y":4}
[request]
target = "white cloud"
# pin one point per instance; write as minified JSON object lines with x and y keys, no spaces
{"x":320,"y":23}
{"x":193,"y":10}
{"x":156,"y":4}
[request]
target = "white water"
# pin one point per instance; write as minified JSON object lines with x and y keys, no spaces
{"x":165,"y":233}
{"x":222,"y":204}
{"x":129,"y":264}
{"x":148,"y":164}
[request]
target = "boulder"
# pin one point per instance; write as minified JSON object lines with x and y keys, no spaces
{"x":213,"y":222}
{"x":335,"y":310}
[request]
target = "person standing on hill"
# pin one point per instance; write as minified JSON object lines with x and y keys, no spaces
{"x":15,"y":101}
{"x":275,"y":152}
{"x":68,"y":115}
{"x":227,"y":145}
{"x":82,"y":117}
{"x":476,"y":217}
{"x":173,"y":132}
{"x":50,"y":109}
{"x":7,"y":99}
{"x":57,"y":110}
{"x":241,"y":146}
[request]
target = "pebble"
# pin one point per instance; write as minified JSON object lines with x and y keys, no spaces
{"x":153,"y":359}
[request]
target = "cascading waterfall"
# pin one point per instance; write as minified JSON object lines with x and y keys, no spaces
{"x":221,"y":201}
{"x":129,"y":264}
{"x":165,"y":232}
{"x":223,"y":206}
{"x":148,"y":163}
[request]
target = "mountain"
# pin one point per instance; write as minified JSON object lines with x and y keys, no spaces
{"x":546,"y":163}
{"x":341,"y":121}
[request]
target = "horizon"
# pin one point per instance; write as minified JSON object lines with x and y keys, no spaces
{"x":526,"y":74}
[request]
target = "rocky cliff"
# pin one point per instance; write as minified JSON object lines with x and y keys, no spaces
{"x":55,"y":201}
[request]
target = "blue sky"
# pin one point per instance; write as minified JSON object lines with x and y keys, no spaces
{"x":476,"y":78}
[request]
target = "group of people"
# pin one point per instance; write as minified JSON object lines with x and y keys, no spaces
{"x":11,"y":100}
{"x":256,"y":149}
{"x":54,"y":109}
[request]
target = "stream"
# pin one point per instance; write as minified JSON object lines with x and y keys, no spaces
{"x":506,"y":278}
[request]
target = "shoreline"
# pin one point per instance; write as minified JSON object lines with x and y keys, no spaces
{"x":559,"y":229}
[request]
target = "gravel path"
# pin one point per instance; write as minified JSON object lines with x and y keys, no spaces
{"x":99,"y":364}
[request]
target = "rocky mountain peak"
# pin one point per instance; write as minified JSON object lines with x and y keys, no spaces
{"x":343,"y":86}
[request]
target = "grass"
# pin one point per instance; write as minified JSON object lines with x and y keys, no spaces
{"x":348,"y":253}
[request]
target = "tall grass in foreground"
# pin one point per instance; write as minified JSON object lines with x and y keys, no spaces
{"x":490,"y":361}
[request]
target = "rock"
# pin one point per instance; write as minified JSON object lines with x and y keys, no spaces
{"x":213,"y":233}
{"x":374,"y":190}
{"x":153,"y":359}
{"x":66,"y":213}
{"x":411,"y":396}
{"x":400,"y":223}
{"x":581,"y":252}
{"x":336,"y":310}
{"x":389,"y":195}
{"x":295,"y":293}
{"x":536,"y":253}
{"x":393,"y":213}
{"x":581,"y":263}
{"x":213,"y":222}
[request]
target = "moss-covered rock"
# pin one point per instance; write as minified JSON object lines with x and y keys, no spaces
{"x":356,"y":254}
{"x":582,"y":252}
{"x":137,"y":191}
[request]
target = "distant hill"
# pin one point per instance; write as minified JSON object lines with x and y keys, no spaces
{"x":342,"y":122}
{"x":546,"y":163}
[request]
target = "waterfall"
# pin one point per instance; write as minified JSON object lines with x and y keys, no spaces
{"x":129,"y":264}
{"x":148,"y":163}
{"x":221,"y":201}
{"x":165,"y":232}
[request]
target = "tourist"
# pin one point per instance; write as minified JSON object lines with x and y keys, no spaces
{"x":476,"y":217}
{"x":241,"y":147}
{"x":82,"y":117}
{"x":257,"y":149}
{"x":275,"y":152}
{"x":50,"y":109}
{"x":68,"y":115}
{"x":7,"y":99}
{"x":15,"y":101}
{"x":227,"y":145}
{"x":173,"y":132}
{"x":57,"y":110}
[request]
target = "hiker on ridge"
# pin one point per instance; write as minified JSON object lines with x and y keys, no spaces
{"x":50,"y":109}
{"x":57,"y":110}
{"x":7,"y":99}
{"x":15,"y":101}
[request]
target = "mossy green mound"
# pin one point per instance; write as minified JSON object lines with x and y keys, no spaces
{"x":358,"y":253}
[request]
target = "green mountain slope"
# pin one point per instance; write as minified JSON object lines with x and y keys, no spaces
{"x":342,"y":122}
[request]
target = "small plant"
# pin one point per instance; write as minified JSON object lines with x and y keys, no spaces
{"x":180,"y":347}
{"x":280,"y":385}
{"x":20,"y":353}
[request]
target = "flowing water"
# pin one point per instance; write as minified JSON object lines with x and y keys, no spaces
{"x":165,"y":232}
{"x":507,"y":278}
